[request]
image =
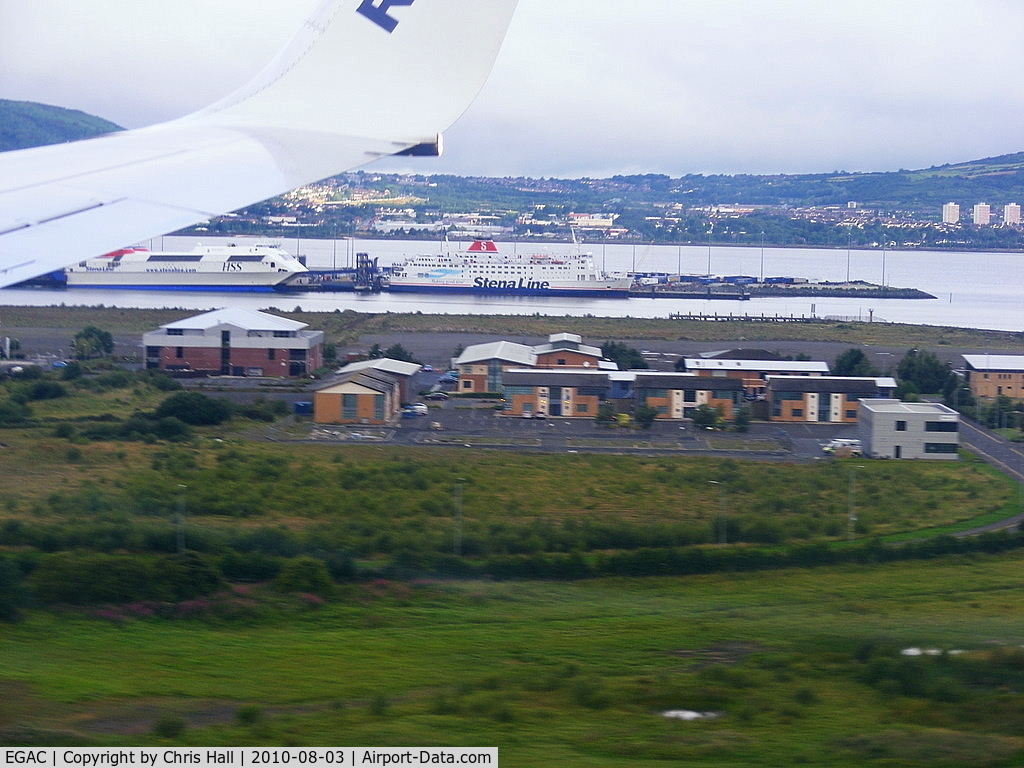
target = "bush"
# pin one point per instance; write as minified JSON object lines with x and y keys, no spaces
{"x":12,"y":590}
{"x":13,"y":413}
{"x":46,"y":390}
{"x":304,"y":574}
{"x":195,"y":408}
{"x":90,"y":578}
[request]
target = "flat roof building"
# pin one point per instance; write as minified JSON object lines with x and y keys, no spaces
{"x":823,"y":398}
{"x":992,"y":375}
{"x":892,"y":429}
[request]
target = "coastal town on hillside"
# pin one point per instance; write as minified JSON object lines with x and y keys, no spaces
{"x":622,"y":209}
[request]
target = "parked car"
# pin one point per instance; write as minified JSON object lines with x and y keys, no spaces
{"x":844,"y":446}
{"x":438,"y":395}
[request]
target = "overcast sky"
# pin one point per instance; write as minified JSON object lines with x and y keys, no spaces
{"x":597,"y":87}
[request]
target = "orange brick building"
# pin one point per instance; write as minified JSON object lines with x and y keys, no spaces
{"x":992,"y":375}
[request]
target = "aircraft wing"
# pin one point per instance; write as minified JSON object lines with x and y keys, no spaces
{"x":361,"y":80}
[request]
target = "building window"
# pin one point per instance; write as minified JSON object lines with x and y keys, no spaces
{"x":467,"y":385}
{"x":271,"y":353}
{"x":851,"y":414}
{"x":940,"y":447}
{"x":582,"y":408}
{"x":179,"y":352}
{"x":561,"y":361}
{"x":941,"y":426}
{"x":175,"y":331}
{"x":901,"y":426}
{"x":282,"y":334}
{"x":378,"y":407}
{"x":348,"y":406}
{"x":690,"y":396}
{"x":798,"y":413}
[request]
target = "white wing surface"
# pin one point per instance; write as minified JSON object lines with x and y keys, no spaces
{"x":362,"y":79}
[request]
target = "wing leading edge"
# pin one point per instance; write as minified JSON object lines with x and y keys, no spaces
{"x":361,"y":80}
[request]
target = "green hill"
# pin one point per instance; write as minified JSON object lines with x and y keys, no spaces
{"x":27,"y":124}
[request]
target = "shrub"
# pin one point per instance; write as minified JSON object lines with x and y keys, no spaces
{"x":12,"y":590}
{"x":195,"y":408}
{"x":46,"y":390}
{"x":304,"y":574}
{"x":90,"y":578}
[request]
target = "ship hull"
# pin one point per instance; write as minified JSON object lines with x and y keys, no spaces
{"x":608,"y":292}
{"x":259,"y":268}
{"x":171,"y":281}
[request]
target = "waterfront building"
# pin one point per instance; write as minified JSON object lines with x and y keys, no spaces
{"x":753,"y":373}
{"x":891,"y":429}
{"x":482,"y":366}
{"x":982,"y":214}
{"x":235,"y":342}
{"x":823,"y":399}
{"x":992,"y":375}
{"x":579,"y":393}
{"x":402,"y":371}
{"x":365,"y":396}
{"x":1011,"y":213}
{"x":950,"y":213}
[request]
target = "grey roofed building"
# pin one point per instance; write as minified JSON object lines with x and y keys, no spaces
{"x":402,"y":370}
{"x":891,"y":429}
{"x":794,"y":367}
{"x":506,"y":351}
{"x":840,"y":384}
{"x":555,"y":377}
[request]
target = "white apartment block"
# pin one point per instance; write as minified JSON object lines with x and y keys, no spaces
{"x":982,"y":214}
{"x":950,"y":213}
{"x":1011,"y":213}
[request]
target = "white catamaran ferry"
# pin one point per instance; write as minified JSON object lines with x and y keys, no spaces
{"x":482,"y":269}
{"x":214,"y":267}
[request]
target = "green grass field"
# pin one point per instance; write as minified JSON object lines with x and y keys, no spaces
{"x":797,"y":666}
{"x":803,"y":667}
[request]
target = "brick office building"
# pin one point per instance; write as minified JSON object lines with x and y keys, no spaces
{"x":235,"y":342}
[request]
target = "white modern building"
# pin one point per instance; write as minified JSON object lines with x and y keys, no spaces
{"x":982,"y":214}
{"x":950,"y":213}
{"x":892,"y":429}
{"x":1011,"y":213}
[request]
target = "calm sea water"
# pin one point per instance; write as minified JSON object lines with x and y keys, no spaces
{"x":973,"y":290}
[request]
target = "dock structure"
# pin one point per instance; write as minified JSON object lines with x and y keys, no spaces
{"x":765,"y":318}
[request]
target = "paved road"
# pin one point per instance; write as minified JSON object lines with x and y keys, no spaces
{"x":1005,"y":456}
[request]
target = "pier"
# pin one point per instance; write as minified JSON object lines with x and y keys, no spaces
{"x":764,"y":318}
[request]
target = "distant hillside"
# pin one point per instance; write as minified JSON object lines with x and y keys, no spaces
{"x":27,"y":124}
{"x":995,"y":180}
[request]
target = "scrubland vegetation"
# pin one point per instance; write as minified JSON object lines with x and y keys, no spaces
{"x":165,"y":579}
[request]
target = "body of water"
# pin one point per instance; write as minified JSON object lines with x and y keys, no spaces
{"x":973,"y":289}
